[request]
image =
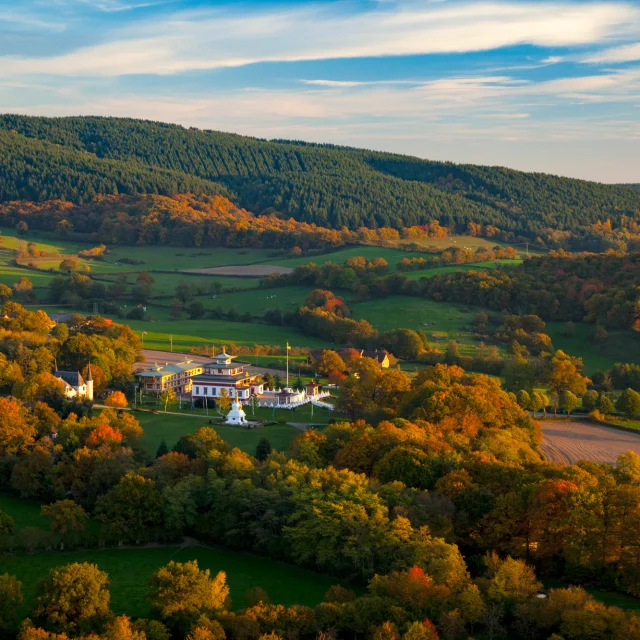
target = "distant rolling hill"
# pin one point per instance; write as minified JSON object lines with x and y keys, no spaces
{"x":77,"y":158}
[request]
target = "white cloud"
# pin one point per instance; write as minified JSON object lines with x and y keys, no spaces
{"x":625,"y":53}
{"x":214,"y":39}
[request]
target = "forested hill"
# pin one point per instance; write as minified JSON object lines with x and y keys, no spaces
{"x":37,"y":171}
{"x":331,"y":186}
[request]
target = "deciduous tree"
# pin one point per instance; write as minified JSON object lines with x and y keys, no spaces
{"x":73,"y":598}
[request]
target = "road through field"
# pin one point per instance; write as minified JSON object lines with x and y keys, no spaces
{"x":566,"y":442}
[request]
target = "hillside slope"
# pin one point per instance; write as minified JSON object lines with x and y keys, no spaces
{"x":337,"y":186}
{"x":37,"y":170}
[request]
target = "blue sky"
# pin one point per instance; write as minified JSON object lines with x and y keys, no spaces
{"x":541,"y":85}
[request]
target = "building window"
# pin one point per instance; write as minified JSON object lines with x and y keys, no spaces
{"x":197,"y":391}
{"x":204,"y":390}
{"x":213,"y":391}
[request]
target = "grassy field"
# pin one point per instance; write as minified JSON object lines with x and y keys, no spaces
{"x":195,"y":333}
{"x":441,"y":321}
{"x":262,"y":300}
{"x":166,"y":283}
{"x":472,"y":266}
{"x":339,"y":256}
{"x":176,"y":258}
{"x":467,"y":242}
{"x":620,"y":346}
{"x":130,"y":569}
{"x":47,"y":242}
{"x":170,"y":428}
{"x":25,"y":513}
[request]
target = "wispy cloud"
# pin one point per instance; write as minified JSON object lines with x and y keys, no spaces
{"x":111,"y":6}
{"x":214,"y":39}
{"x":624,"y":53}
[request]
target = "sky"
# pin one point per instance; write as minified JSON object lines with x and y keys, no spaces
{"x":549,"y":86}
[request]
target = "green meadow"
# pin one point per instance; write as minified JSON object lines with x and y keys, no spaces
{"x":472,"y":266}
{"x":620,"y":346}
{"x":170,"y":428}
{"x":129,"y":571}
{"x":259,"y":301}
{"x":440,"y":321}
{"x":199,"y":333}
{"x":167,"y":258}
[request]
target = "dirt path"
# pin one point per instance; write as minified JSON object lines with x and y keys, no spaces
{"x":566,"y":442}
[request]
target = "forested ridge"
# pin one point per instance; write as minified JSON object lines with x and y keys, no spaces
{"x":35,"y":170}
{"x":324,"y":184}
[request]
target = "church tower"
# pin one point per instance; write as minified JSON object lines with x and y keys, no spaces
{"x":89,"y":382}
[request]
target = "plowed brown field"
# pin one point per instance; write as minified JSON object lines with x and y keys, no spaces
{"x":249,"y":270}
{"x":566,"y":442}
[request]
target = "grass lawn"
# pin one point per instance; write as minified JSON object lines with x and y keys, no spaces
{"x":197,"y":333}
{"x":170,"y":428}
{"x":130,"y":569}
{"x":259,"y":301}
{"x":339,"y":256}
{"x":441,"y":321}
{"x":620,"y":346}
{"x":25,"y":513}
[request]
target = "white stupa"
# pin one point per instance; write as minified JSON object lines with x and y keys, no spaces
{"x":236,"y":416}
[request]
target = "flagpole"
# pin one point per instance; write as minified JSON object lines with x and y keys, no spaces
{"x":287,"y":365}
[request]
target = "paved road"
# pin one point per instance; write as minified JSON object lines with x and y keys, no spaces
{"x":566,"y":442}
{"x":154,"y":356}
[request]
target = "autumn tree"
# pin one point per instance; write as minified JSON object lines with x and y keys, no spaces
{"x":590,"y":400}
{"x":117,"y":400}
{"x":564,"y":375}
{"x":23,"y":289}
{"x":223,"y":402}
{"x":605,"y":404}
{"x":7,"y":525}
{"x":629,"y":403}
{"x":69,"y":264}
{"x":17,"y":429}
{"x":569,"y":402}
{"x":10,"y":602}
{"x":73,"y":598}
{"x":68,"y":519}
{"x":167,"y":396}
{"x":5,"y":293}
{"x":510,"y":580}
{"x":131,"y":508}
{"x":181,"y":592}
{"x":121,"y":628}
{"x":327,"y":362}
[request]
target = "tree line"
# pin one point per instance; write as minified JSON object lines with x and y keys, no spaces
{"x":332,"y":186}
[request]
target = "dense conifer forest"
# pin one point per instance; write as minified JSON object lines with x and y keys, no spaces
{"x":323,"y":184}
